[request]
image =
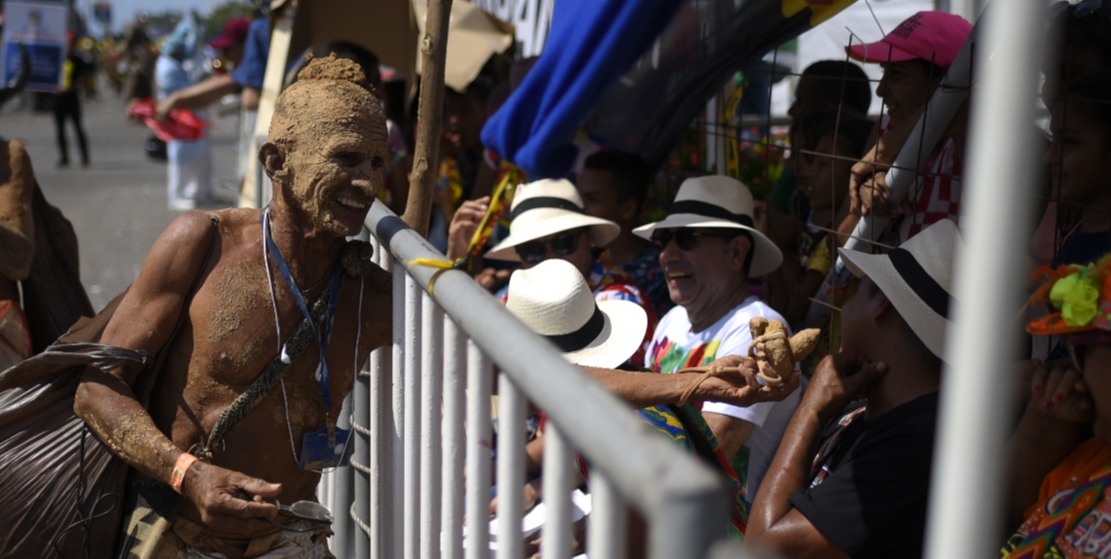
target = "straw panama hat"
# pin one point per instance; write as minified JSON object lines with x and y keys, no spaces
{"x":547,"y":207}
{"x":554,"y":300}
{"x":917,"y":278}
{"x":723,"y":203}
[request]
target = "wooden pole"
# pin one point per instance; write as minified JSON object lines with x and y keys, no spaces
{"x":433,"y":46}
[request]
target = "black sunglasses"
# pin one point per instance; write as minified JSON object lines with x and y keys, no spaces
{"x":685,"y":238}
{"x":534,"y":252}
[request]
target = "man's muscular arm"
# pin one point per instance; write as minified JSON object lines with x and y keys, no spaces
{"x":144,"y":320}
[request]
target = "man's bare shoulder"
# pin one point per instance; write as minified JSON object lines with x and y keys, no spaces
{"x":239,"y":226}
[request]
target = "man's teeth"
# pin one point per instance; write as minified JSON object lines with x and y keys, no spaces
{"x":350,"y":203}
{"x":678,"y":275}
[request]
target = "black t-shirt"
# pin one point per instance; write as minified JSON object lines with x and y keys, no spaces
{"x":872,"y":501}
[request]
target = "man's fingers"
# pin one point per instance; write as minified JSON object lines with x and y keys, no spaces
{"x":263,"y":489}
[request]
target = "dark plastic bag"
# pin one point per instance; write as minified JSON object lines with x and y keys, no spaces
{"x":63,"y":489}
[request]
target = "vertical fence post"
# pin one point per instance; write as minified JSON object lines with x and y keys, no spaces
{"x":968,"y":473}
{"x":607,"y":529}
{"x":410,"y":514}
{"x":431,"y":375}
{"x":455,"y":368}
{"x":479,"y":388}
{"x":511,"y":466}
{"x":392,"y":538}
{"x":558,"y":476}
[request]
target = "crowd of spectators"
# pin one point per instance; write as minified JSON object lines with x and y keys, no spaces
{"x":840,"y":467}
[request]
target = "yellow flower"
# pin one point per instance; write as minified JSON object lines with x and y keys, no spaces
{"x":1077,"y":295}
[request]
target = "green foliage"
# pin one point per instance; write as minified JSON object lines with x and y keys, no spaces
{"x":221,"y":14}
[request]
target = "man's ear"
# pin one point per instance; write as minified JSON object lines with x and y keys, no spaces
{"x":882,"y":308}
{"x":273,"y":160}
{"x":737,"y":252}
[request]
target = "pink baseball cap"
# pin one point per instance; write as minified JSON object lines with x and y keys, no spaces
{"x":932,"y":36}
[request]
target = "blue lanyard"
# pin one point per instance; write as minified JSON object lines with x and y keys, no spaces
{"x":333,"y":303}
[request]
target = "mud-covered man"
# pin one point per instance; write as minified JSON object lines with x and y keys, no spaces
{"x":237,"y":284}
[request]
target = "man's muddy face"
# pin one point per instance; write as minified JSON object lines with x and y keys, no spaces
{"x":338,"y":164}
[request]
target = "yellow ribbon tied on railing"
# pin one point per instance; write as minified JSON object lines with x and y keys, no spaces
{"x":498,"y":203}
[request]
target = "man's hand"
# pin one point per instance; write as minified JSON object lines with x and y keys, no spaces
{"x":839,"y":380}
{"x":1059,"y":392}
{"x":163,"y":108}
{"x":464,"y":224}
{"x":228,"y":498}
{"x":741,"y":387}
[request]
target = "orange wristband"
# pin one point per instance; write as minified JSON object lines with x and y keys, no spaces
{"x":184,"y":462}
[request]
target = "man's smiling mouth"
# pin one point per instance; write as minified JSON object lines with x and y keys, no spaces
{"x":351,"y":203}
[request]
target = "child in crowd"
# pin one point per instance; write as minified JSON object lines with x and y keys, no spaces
{"x":1059,"y":497}
{"x":829,"y":143}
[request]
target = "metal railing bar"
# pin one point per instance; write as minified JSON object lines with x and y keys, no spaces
{"x":381,"y":439}
{"x":510,"y":466}
{"x":392,"y":543}
{"x":595,"y":421}
{"x":431,"y":375}
{"x":455,"y":373}
{"x":480,"y":384}
{"x":970,"y":464}
{"x":608,"y":523}
{"x":557,"y":480}
{"x":411,"y":442}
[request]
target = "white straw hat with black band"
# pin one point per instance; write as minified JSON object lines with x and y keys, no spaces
{"x":547,"y":207}
{"x":722,"y":203}
{"x":554,"y":300}
{"x":917,"y":278}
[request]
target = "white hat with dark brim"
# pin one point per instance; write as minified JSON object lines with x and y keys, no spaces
{"x":547,"y":207}
{"x":554,"y":300}
{"x":917,"y":277}
{"x":722,"y":203}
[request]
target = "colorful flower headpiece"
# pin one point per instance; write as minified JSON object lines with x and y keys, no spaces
{"x":1082,"y":294}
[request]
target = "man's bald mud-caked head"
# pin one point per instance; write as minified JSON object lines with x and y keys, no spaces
{"x":327,"y":150}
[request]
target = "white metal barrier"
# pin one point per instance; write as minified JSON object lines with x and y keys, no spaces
{"x":422,"y":417}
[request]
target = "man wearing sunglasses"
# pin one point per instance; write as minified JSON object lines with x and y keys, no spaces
{"x":709,"y":246}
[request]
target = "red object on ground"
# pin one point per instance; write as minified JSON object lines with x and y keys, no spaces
{"x":180,"y":124}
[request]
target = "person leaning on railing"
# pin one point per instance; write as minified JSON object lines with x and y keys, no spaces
{"x":915,"y":57}
{"x":268,"y":301}
{"x":851,"y":480}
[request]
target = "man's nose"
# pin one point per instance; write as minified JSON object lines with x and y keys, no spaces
{"x":669,"y":252}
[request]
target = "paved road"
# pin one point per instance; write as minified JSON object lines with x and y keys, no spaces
{"x":118,"y":204}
